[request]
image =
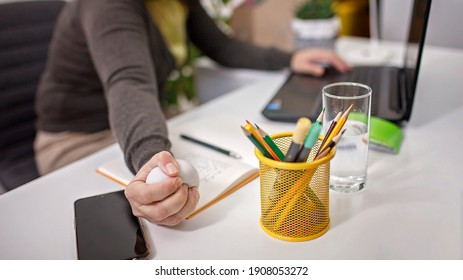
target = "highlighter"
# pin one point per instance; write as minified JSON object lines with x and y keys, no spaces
{"x":302,"y":126}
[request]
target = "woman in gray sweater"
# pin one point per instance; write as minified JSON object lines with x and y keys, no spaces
{"x":108,"y":61}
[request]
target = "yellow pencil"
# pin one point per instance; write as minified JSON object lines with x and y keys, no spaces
{"x":338,"y":127}
{"x":330,"y":129}
{"x":330,"y":145}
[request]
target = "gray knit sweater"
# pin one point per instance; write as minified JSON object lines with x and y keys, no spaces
{"x":107,"y":66}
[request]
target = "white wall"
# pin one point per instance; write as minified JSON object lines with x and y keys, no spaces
{"x":444,"y":26}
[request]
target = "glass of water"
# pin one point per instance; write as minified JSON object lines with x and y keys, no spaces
{"x":349,"y":166}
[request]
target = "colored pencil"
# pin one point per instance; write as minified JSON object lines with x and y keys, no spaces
{"x":259,"y":138}
{"x":330,"y":129}
{"x":254,"y":141}
{"x":330,"y":145}
{"x":270,"y":142}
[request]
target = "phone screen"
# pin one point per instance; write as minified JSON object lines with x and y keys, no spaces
{"x":106,"y":229}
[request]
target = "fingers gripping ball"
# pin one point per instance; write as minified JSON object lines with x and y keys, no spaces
{"x":188,"y":173}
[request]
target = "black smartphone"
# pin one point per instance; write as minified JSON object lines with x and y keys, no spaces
{"x":106,"y":229}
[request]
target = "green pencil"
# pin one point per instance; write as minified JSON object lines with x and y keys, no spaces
{"x":270,"y":142}
{"x":255,"y":142}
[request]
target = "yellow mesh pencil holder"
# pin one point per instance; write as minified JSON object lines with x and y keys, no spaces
{"x":294,"y":196}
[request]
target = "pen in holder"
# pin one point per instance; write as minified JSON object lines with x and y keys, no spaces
{"x":294,"y":196}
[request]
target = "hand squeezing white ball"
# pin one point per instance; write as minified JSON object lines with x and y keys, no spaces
{"x":187,"y":171}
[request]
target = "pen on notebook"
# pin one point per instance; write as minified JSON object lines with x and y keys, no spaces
{"x":256,"y":142}
{"x":210,"y":146}
{"x":256,"y":134}
{"x":302,"y":127}
{"x":311,"y":138}
{"x":270,"y":142}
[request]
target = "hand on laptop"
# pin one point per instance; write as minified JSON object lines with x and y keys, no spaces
{"x":310,"y":61}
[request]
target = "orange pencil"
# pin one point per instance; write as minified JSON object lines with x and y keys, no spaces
{"x":259,"y":138}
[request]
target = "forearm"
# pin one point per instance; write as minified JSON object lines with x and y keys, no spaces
{"x":231,"y":52}
{"x":240,"y":54}
{"x":138,"y":123}
{"x":118,"y":43}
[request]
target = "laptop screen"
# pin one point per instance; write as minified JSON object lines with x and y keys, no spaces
{"x":394,"y":87}
{"x":415,"y":44}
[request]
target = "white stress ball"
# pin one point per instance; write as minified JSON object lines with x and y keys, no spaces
{"x":188,"y":173}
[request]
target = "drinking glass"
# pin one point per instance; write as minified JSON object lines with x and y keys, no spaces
{"x":349,"y":166}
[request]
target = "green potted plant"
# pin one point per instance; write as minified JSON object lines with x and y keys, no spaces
{"x":315,"y":19}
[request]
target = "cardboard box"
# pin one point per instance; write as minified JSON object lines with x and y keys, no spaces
{"x":265,"y":23}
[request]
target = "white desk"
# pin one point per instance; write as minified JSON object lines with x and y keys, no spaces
{"x":411,"y":207}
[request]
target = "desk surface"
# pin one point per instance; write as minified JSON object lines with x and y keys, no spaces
{"x":411,"y":208}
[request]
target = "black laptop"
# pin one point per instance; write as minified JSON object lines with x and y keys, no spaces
{"x":393,"y":87}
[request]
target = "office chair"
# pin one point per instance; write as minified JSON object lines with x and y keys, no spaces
{"x":25,"y":32}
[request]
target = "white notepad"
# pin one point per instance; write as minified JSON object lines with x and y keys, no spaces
{"x":219,"y":175}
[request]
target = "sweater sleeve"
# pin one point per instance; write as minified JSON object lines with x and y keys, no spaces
{"x":117,"y":38}
{"x":231,"y":52}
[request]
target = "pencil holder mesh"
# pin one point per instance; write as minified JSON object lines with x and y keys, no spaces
{"x":294,"y":196}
